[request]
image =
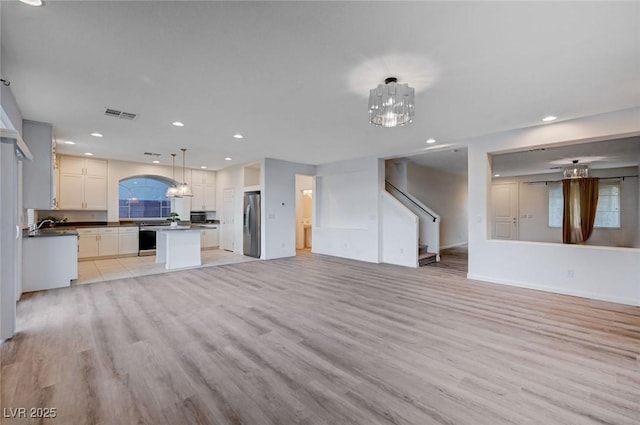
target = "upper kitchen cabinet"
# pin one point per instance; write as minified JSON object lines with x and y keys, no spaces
{"x":82,"y":184}
{"x":203,"y":185}
{"x":38,"y":175}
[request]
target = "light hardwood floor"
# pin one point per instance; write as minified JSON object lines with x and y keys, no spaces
{"x":100,"y":270}
{"x":321,"y":340}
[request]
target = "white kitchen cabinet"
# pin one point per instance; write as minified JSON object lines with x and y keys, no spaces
{"x":203,"y":186}
{"x":82,"y":183}
{"x":210,"y":238}
{"x":49,"y":262}
{"x":127,"y":240}
{"x":97,"y":242}
{"x":87,"y":245}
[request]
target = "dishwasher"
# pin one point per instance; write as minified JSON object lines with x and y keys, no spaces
{"x":146,"y":242}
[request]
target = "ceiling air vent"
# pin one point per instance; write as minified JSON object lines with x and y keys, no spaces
{"x":114,"y":113}
{"x":152,"y":154}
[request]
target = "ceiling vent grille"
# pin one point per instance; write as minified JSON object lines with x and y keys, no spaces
{"x":114,"y":113}
{"x":152,"y":154}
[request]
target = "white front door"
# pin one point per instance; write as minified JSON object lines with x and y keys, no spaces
{"x":226,"y":223}
{"x":504,"y":211}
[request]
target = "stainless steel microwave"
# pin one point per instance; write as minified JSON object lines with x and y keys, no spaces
{"x":202,"y":216}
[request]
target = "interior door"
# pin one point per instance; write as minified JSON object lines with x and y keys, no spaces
{"x":227,"y":220}
{"x":504,"y":209}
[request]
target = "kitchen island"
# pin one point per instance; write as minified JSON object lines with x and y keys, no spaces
{"x":178,"y":246}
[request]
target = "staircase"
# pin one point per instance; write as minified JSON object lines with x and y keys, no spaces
{"x":425,"y":257}
{"x":429,"y":225}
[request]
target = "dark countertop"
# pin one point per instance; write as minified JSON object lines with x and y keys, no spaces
{"x":48,"y":233}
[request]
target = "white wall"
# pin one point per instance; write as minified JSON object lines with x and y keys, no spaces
{"x":346,"y":217}
{"x":446,"y":194}
{"x":395,"y":172}
{"x":399,"y":233}
{"x":597,"y":272}
{"x":533,"y":206}
{"x":279,"y":207}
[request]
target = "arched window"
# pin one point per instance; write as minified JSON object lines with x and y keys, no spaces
{"x":143,"y":197}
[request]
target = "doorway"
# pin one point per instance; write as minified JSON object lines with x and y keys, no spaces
{"x":304,"y":213}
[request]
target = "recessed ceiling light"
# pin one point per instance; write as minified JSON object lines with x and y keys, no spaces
{"x":496,"y":175}
{"x":156,"y":162}
{"x":88,"y":153}
{"x":32,"y":2}
{"x":238,"y":136}
{"x":178,"y":124}
{"x":430,"y":141}
{"x":203,"y":166}
{"x":69,"y":142}
{"x":96,"y":134}
{"x":227,"y":159}
{"x":549,"y":118}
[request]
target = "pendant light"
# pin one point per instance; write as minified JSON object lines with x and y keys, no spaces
{"x":172,"y":192}
{"x":184,"y":189}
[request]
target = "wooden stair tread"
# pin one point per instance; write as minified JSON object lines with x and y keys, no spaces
{"x":425,"y":258}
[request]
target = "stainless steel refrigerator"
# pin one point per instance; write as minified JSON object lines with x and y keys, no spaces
{"x":251,"y":224}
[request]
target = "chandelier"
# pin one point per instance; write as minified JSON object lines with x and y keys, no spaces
{"x":391,"y":104}
{"x":575,"y":171}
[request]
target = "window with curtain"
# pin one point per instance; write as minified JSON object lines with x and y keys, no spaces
{"x":608,"y":215}
{"x":144,"y":197}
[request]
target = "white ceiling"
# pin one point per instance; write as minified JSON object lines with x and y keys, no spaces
{"x":293,"y":77}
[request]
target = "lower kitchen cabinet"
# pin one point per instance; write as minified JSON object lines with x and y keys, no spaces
{"x":107,"y":242}
{"x":48,"y":262}
{"x":127,"y":240}
{"x":209,"y":238}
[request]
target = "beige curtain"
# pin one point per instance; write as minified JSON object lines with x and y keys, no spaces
{"x":580,"y":207}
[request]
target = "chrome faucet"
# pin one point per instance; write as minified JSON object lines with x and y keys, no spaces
{"x":37,"y":227}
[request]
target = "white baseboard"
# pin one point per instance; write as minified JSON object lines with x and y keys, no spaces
{"x":555,"y":290}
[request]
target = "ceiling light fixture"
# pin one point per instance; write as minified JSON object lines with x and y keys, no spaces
{"x":184,"y":189}
{"x":575,"y":171}
{"x":32,"y":2}
{"x":431,"y":141}
{"x":178,"y":124}
{"x":156,"y":162}
{"x":391,"y":104}
{"x":549,"y":118}
{"x":96,"y":134}
{"x":238,"y":136}
{"x":172,"y":191}
{"x":227,"y":159}
{"x":496,"y":175}
{"x":69,"y":142}
{"x":88,"y":153}
{"x":203,"y":166}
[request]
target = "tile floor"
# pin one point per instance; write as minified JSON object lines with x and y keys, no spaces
{"x":118,"y":268}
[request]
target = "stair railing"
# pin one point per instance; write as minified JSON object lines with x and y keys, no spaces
{"x":411,"y":200}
